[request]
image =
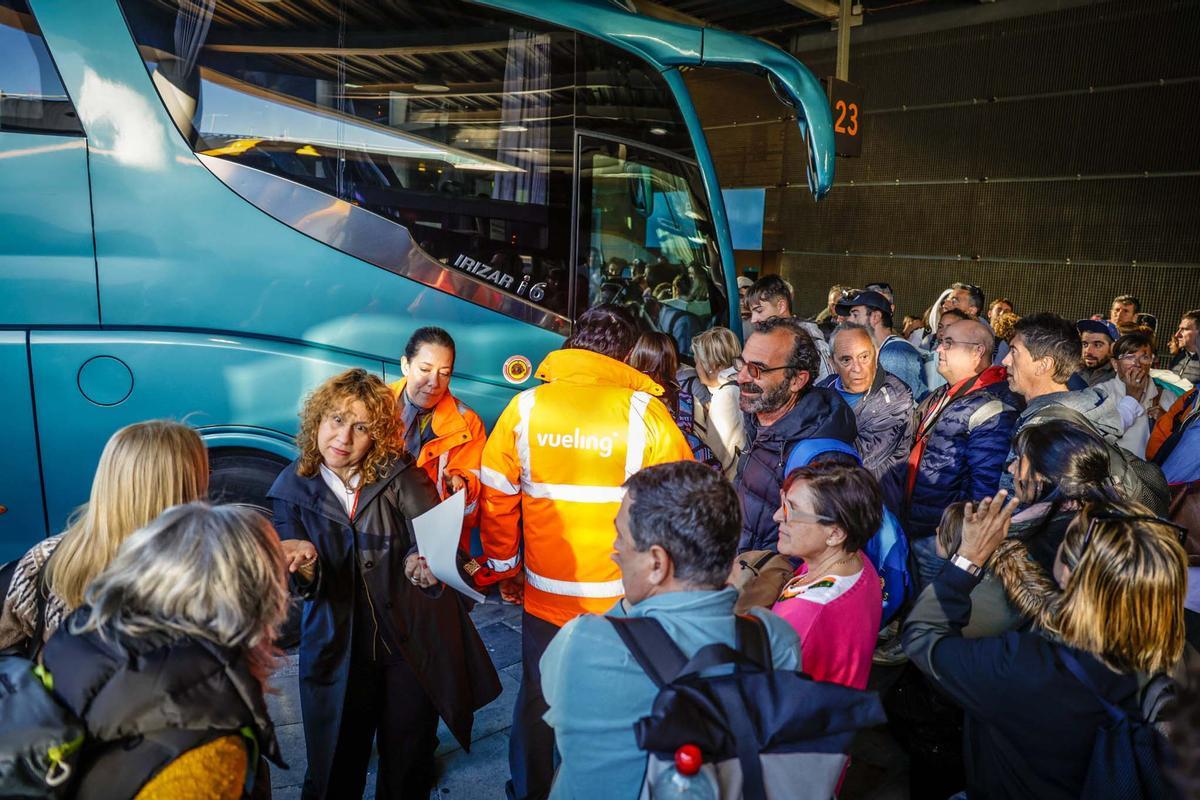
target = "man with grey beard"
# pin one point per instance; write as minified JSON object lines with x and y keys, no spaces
{"x":775,"y":374}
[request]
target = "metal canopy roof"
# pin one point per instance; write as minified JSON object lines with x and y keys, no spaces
{"x":779,"y":20}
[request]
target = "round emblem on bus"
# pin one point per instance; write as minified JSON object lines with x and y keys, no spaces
{"x":517,"y":369}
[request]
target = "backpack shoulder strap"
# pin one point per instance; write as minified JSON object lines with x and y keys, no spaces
{"x":652,"y":647}
{"x":1068,"y":660}
{"x":1159,"y":693}
{"x":752,"y":640}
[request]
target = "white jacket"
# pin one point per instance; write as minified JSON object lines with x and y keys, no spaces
{"x":720,"y":424}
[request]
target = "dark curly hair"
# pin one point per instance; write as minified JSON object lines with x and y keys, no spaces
{"x":606,"y":329}
{"x":804,"y":356}
{"x":383,"y":424}
{"x":690,"y":511}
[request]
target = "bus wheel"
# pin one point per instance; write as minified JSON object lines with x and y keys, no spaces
{"x":241,"y":476}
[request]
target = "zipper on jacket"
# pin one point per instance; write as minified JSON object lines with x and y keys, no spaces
{"x":370,"y":605}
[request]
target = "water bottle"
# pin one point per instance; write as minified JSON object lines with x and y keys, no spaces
{"x":685,"y":781}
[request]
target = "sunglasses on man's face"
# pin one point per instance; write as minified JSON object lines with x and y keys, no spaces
{"x":753,"y":368}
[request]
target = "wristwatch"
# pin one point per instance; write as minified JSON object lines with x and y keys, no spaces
{"x":966,"y":565}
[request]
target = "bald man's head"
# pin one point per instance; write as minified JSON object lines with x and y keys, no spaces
{"x":964,"y":350}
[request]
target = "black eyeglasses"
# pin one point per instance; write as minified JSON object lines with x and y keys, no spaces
{"x":1111,"y":516}
{"x":756,"y":370}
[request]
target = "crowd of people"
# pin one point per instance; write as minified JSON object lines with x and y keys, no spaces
{"x":997,"y":504}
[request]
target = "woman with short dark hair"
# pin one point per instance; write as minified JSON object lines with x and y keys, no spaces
{"x":828,"y":512}
{"x":441,"y":433}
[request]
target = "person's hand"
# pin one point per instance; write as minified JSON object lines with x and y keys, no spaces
{"x":985,"y":525}
{"x":455,"y":483}
{"x":301,"y":557}
{"x":1136,"y":379}
{"x":418,"y":572}
{"x":1155,"y":412}
{"x":512,"y":590}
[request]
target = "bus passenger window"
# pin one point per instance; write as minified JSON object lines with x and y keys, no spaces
{"x":647,"y":240}
{"x":32,"y":97}
{"x":450,"y":120}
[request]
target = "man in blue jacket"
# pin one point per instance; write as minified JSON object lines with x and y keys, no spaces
{"x":883,"y":405}
{"x":963,"y":433}
{"x":775,"y":375}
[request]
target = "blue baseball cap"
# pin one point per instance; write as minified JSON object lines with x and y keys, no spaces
{"x":1102,"y":326}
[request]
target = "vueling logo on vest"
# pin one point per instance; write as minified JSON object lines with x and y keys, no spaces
{"x":577,"y":441}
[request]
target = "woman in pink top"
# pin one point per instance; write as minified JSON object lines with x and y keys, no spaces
{"x":828,"y":512}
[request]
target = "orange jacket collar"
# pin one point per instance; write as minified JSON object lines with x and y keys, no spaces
{"x":446,"y":418}
{"x":585,"y":367}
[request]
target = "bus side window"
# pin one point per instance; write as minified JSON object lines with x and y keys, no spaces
{"x":448,"y":119}
{"x":32,"y":97}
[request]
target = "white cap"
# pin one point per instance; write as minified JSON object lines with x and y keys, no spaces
{"x":743,"y":282}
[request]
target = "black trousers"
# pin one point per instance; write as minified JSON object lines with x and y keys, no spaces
{"x":531,"y":743}
{"x":384,"y":703}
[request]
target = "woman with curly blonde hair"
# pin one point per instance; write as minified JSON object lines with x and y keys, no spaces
{"x":384,"y":651}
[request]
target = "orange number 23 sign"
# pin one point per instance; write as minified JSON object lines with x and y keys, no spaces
{"x":847,"y":120}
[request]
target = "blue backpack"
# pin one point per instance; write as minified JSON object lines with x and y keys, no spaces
{"x":887,"y":549}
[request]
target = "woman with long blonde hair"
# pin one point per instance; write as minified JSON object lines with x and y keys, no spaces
{"x":384,"y":650}
{"x":145,"y":468}
{"x":720,"y":423}
{"x":1035,"y":701}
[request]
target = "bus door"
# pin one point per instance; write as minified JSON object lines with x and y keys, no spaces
{"x":645,"y":238}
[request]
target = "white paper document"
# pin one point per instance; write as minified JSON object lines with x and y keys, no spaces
{"x":437,"y":532}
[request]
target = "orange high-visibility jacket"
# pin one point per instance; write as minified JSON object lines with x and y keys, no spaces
{"x":552,"y":474}
{"x":455,"y":449}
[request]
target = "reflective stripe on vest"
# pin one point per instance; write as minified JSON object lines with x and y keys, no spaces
{"x":503,"y":565}
{"x":496,"y":481}
{"x":574,"y":494}
{"x":524,"y":410}
{"x":441,"y":474}
{"x":574,"y":588}
{"x":635,"y":445}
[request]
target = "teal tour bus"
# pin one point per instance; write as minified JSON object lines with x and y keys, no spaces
{"x":209,"y":206}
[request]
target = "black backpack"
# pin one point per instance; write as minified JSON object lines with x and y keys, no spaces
{"x":764,"y":733}
{"x":1139,"y":479}
{"x":1129,"y":755}
{"x":44,"y":746}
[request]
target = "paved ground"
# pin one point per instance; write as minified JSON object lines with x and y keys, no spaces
{"x":879,"y":770}
{"x":478,"y":775}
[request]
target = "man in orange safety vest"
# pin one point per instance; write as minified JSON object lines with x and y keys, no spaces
{"x":551,"y":486}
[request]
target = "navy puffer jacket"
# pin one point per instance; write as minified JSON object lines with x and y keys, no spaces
{"x":961,"y":451}
{"x":818,"y":414}
{"x":885,"y":429}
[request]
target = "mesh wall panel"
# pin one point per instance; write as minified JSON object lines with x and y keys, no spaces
{"x":1050,"y":158}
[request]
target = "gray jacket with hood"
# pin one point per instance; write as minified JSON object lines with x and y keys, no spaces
{"x":1101,"y":408}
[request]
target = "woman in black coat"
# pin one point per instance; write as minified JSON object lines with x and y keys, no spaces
{"x":383,"y":652}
